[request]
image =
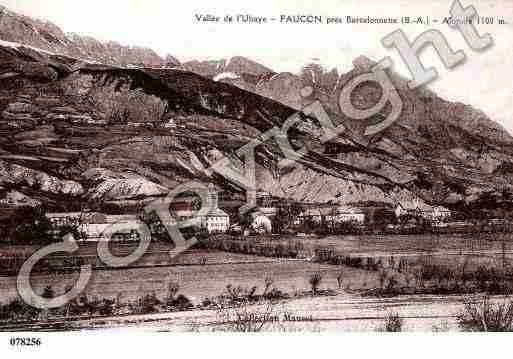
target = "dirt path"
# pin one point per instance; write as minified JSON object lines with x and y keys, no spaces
{"x":344,"y":312}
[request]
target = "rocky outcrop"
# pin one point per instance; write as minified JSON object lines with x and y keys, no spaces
{"x":16,"y":175}
{"x":107,"y":185}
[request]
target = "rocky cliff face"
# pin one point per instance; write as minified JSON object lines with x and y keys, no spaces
{"x":47,"y":36}
{"x":449,"y":152}
{"x":74,"y":131}
{"x":237,"y":71}
{"x":226,"y":68}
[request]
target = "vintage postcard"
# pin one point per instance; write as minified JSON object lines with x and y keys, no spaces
{"x":269,"y":166}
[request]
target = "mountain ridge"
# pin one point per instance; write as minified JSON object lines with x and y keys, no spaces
{"x":146,"y":130}
{"x":47,"y":36}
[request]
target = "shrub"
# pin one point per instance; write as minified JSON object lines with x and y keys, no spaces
{"x":340,"y":277}
{"x":48,"y":293}
{"x":18,"y":310}
{"x":245,"y":318}
{"x":106,"y":307}
{"x":403,"y":265}
{"x":442,"y":275}
{"x":275,"y":295}
{"x":315,"y":280}
{"x":147,"y":304}
{"x":371,"y":264}
{"x":482,"y":276}
{"x":172,"y":290}
{"x":280,"y":250}
{"x":408,"y":278}
{"x":181,"y":303}
{"x":240,"y":294}
{"x":486,"y":316}
{"x":393,"y":323}
{"x":392,"y":284}
{"x":298,"y":246}
{"x":383,"y":276}
{"x":355,"y":262}
{"x":268,"y":283}
{"x":30,"y":225}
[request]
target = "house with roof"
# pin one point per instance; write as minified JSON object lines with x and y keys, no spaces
{"x":99,"y":226}
{"x":99,"y":232}
{"x":331,"y":215}
{"x":439,"y":213}
{"x":76,"y":218}
{"x":421,"y":209}
{"x":170,"y":123}
{"x":309,"y":215}
{"x":215,"y":220}
{"x":345,"y":214}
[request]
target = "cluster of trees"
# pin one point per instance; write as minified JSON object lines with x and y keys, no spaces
{"x":289,"y":249}
{"x":83,"y":305}
{"x":285,"y":217}
{"x":157,"y":229}
{"x":30,"y":225}
{"x":324,"y":227}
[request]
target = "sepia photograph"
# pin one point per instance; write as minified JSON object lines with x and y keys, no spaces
{"x":288,"y":168}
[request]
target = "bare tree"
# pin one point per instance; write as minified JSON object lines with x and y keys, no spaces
{"x":485,"y":316}
{"x":340,"y":278}
{"x":315,"y":281}
{"x":392,"y":323}
{"x":245,"y":317}
{"x":268,"y":283}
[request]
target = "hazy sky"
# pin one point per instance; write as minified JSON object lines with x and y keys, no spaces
{"x":485,"y":80}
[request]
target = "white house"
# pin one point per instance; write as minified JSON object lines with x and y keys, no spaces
{"x":261,"y":223}
{"x":215,"y":220}
{"x":97,"y":226}
{"x":440,"y":213}
{"x":170,"y":123}
{"x":345,"y":214}
{"x":312,"y":214}
{"x":332,"y":215}
{"x":76,"y":218}
{"x":417,"y":208}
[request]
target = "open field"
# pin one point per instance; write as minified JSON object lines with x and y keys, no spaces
{"x":448,"y":249}
{"x":196,"y":281}
{"x":157,"y":254}
{"x":206,"y":273}
{"x":416,"y":244}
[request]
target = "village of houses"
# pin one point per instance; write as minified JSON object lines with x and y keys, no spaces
{"x":403,"y":218}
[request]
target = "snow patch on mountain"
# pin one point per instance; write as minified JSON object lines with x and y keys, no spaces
{"x":226,"y":75}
